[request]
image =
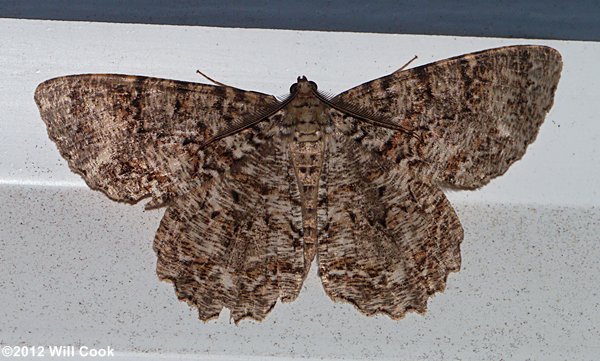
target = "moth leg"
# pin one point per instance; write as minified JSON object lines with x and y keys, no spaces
{"x":407,"y":64}
{"x":212,"y":80}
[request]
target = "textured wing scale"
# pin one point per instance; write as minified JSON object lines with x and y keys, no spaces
{"x":476,"y":113}
{"x":232,"y":235}
{"x":238,"y":244}
{"x":391,"y":239}
{"x":133,"y":136}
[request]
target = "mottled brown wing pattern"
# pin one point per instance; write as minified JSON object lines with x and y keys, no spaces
{"x":476,"y":113}
{"x":237,"y":244}
{"x":390,"y":239}
{"x":132,"y":136}
{"x":232,"y":235}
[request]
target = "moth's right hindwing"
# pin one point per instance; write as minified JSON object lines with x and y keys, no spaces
{"x":392,"y":239}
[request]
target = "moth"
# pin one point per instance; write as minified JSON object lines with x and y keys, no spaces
{"x":256,"y":187}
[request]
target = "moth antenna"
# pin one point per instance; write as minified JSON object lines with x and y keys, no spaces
{"x":212,"y":80}
{"x":245,"y":123}
{"x":407,"y":64}
{"x":362,"y":114}
{"x":282,"y":97}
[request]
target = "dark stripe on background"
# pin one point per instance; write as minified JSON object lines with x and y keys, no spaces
{"x":547,"y":19}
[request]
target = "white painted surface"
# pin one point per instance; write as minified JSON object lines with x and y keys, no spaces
{"x":76,"y":268}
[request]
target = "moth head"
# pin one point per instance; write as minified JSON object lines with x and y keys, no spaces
{"x":303,"y":85}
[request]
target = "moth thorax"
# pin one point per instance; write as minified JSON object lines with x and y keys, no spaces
{"x":307,"y":124}
{"x":307,"y":128}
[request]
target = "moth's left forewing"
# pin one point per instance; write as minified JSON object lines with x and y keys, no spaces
{"x":134,"y":136}
{"x":476,"y":114}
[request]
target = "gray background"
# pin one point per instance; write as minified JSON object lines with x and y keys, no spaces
{"x":552,"y":19}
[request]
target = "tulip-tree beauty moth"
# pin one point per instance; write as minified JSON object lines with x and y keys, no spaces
{"x":256,"y":188}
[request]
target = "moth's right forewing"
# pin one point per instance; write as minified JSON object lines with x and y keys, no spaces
{"x":132,"y":136}
{"x":476,"y":113}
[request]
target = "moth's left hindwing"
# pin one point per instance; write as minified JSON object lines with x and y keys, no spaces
{"x":132,"y":136}
{"x":237,"y":244}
